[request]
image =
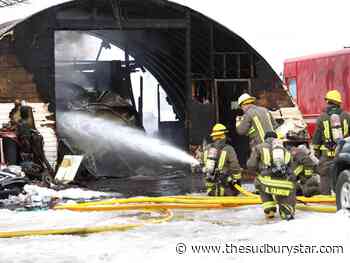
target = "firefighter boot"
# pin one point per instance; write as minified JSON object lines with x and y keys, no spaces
{"x":286,"y":212}
{"x":270,"y":212}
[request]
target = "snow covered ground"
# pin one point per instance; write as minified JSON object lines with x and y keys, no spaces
{"x":157,"y":243}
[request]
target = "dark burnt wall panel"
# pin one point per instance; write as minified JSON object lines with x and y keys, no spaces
{"x":225,"y":42}
{"x":232,"y":56}
{"x":34,"y":48}
{"x":87,"y":10}
{"x":200,"y":48}
{"x":136,"y":9}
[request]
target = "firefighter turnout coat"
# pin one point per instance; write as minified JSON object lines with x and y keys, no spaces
{"x":255,"y":123}
{"x":227,"y":167}
{"x":323,"y":141}
{"x":274,"y":190}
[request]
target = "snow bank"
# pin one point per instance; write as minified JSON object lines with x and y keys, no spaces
{"x":71,"y":193}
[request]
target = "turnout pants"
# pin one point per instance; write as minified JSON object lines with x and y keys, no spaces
{"x":309,"y":187}
{"x":325,"y":176}
{"x":270,"y":202}
{"x":215,"y":189}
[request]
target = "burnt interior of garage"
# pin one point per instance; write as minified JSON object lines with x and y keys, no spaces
{"x":201,"y":65}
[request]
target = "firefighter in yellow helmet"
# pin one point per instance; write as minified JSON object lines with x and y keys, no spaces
{"x":221,"y":167}
{"x":255,"y":122}
{"x":331,"y":127}
{"x":275,"y":179}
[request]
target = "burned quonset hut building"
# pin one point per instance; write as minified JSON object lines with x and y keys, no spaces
{"x":201,"y":65}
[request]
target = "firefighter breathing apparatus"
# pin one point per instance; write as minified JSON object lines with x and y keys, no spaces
{"x":210,"y":168}
{"x":333,"y":131}
{"x":212,"y":171}
{"x":274,"y":158}
{"x":336,"y":128}
{"x":278,"y":162}
{"x":302,"y":148}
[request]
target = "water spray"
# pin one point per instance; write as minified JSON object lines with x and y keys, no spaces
{"x":92,"y":133}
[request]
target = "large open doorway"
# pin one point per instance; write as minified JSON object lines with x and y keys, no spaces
{"x":227,"y":92}
{"x":97,"y":78}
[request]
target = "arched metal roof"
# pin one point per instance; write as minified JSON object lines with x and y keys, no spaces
{"x":153,"y":31}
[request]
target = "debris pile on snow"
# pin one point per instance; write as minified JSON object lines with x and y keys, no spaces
{"x":41,"y":197}
{"x":71,"y":193}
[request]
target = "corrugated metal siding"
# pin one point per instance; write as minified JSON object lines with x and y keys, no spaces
{"x":41,"y":113}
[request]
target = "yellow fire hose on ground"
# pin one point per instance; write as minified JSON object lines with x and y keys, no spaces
{"x":162,"y":205}
{"x":243,"y":191}
{"x":192,"y":202}
{"x":318,"y":208}
{"x":143,"y":206}
{"x":167,"y":215}
{"x":304,"y":207}
{"x":121,"y":207}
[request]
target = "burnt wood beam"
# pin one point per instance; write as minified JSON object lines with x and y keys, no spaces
{"x":115,"y":8}
{"x":116,"y":11}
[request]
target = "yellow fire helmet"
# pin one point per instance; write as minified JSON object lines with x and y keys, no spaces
{"x":333,"y":96}
{"x":245,"y":98}
{"x":218,"y":130}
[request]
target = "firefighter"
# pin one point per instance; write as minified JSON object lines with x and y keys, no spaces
{"x":331,"y":126}
{"x":31,"y":150}
{"x":221,"y":167}
{"x":304,"y":168}
{"x":255,"y":122}
{"x":275,"y":182}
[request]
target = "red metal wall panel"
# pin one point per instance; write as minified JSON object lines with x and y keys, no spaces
{"x":290,"y":70}
{"x":315,"y":75}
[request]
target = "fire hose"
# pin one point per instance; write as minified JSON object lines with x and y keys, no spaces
{"x":166,"y":215}
{"x":192,"y":202}
{"x":162,"y":205}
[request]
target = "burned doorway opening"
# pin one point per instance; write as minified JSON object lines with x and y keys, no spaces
{"x":95,"y":77}
{"x":88,"y":68}
{"x":227,"y":92}
{"x":216,"y":98}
